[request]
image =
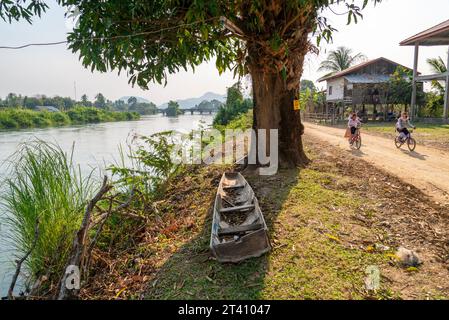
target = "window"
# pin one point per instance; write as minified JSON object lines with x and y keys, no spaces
{"x":330,"y":90}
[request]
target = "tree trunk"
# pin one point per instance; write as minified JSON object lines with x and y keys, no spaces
{"x":273,"y":109}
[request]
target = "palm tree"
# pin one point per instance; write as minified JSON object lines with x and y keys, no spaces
{"x":438,"y":66}
{"x":340,"y":59}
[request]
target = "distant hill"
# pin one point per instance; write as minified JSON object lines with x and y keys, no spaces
{"x":139,"y":99}
{"x":192,"y":102}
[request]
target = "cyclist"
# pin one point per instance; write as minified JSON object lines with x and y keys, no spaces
{"x":402,"y":125}
{"x":353,"y":123}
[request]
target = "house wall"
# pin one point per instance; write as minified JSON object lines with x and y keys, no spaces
{"x":338,"y":89}
{"x":380,"y":67}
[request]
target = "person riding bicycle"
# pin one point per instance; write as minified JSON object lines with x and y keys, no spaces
{"x":402,"y":125}
{"x":353,"y":124}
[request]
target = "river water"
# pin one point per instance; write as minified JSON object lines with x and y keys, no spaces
{"x":96,"y":145}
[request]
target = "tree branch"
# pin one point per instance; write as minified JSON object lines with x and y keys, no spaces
{"x":79,"y":245}
{"x":21,"y":261}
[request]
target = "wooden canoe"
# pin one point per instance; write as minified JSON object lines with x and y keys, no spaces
{"x":239,"y":230}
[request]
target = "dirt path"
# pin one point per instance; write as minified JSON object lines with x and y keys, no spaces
{"x":426,"y":168}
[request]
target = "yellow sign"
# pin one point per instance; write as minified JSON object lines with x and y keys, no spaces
{"x":296,"y":105}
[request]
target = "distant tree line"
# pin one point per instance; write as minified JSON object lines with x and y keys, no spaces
{"x":13,"y":100}
{"x":20,"y":118}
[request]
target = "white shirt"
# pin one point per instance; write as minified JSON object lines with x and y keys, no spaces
{"x":354,"y":123}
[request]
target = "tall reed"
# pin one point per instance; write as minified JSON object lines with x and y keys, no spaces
{"x":44,"y":183}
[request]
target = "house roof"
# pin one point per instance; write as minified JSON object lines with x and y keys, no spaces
{"x":357,"y":67}
{"x":367,"y":78}
{"x":47,"y":108}
{"x":435,"y":36}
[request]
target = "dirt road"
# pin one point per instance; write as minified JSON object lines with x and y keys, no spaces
{"x":425,"y":168}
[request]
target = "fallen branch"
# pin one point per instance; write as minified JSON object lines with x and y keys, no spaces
{"x":79,"y":246}
{"x":103,"y":221}
{"x":21,"y":261}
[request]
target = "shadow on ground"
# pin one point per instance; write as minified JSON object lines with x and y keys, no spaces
{"x":415,"y":155}
{"x":192,"y":273}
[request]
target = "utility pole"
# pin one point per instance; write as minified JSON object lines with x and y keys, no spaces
{"x":74,"y":85}
{"x":415,"y":75}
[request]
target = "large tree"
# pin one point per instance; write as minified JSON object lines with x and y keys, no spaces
{"x":150,"y":39}
{"x":100,"y":101}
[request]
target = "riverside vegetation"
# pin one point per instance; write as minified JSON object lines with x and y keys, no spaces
{"x":46,"y":190}
{"x":154,"y":224}
{"x":19,"y":118}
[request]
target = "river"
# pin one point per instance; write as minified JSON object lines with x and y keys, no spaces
{"x":95,"y":146}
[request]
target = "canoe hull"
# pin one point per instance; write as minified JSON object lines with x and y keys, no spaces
{"x":252,"y":244}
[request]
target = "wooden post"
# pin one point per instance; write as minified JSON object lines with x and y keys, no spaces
{"x":446,"y":92}
{"x":415,"y":74}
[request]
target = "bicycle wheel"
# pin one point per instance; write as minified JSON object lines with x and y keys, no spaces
{"x":358,"y":143}
{"x":398,"y":142}
{"x":411,"y":143}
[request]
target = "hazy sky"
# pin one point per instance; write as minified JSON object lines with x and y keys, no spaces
{"x":53,"y":70}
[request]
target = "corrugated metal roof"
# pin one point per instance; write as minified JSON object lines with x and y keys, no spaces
{"x":437,"y":35}
{"x":47,"y":108}
{"x":357,"y":67}
{"x":367,"y":78}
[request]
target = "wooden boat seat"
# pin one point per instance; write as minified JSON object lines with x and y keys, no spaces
{"x":239,"y":229}
{"x":237,"y":209}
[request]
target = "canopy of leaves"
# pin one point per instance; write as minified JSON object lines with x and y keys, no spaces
{"x":150,"y":39}
{"x":307,"y":85}
{"x":14,"y":10}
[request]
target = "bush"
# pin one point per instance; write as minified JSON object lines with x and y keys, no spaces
{"x":42,"y":119}
{"x":24,"y":118}
{"x":150,"y":167}
{"x":434,"y":107}
{"x":60,"y":118}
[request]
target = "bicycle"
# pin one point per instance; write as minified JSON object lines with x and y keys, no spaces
{"x":411,"y":143}
{"x":356,"y":140}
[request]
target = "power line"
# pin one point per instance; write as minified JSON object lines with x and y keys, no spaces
{"x":33,"y":45}
{"x":104,"y":38}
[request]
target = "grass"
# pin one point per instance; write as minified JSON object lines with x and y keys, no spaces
{"x":44,"y":184}
{"x":309,"y":259}
{"x":18,"y":118}
{"x":431,"y":134}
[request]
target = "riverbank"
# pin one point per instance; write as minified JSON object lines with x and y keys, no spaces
{"x":326,"y":232}
{"x":329,"y":223}
{"x":18,"y":118}
{"x":96,"y":147}
{"x":324,"y":229}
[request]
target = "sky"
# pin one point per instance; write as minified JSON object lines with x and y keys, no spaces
{"x":54,"y":70}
